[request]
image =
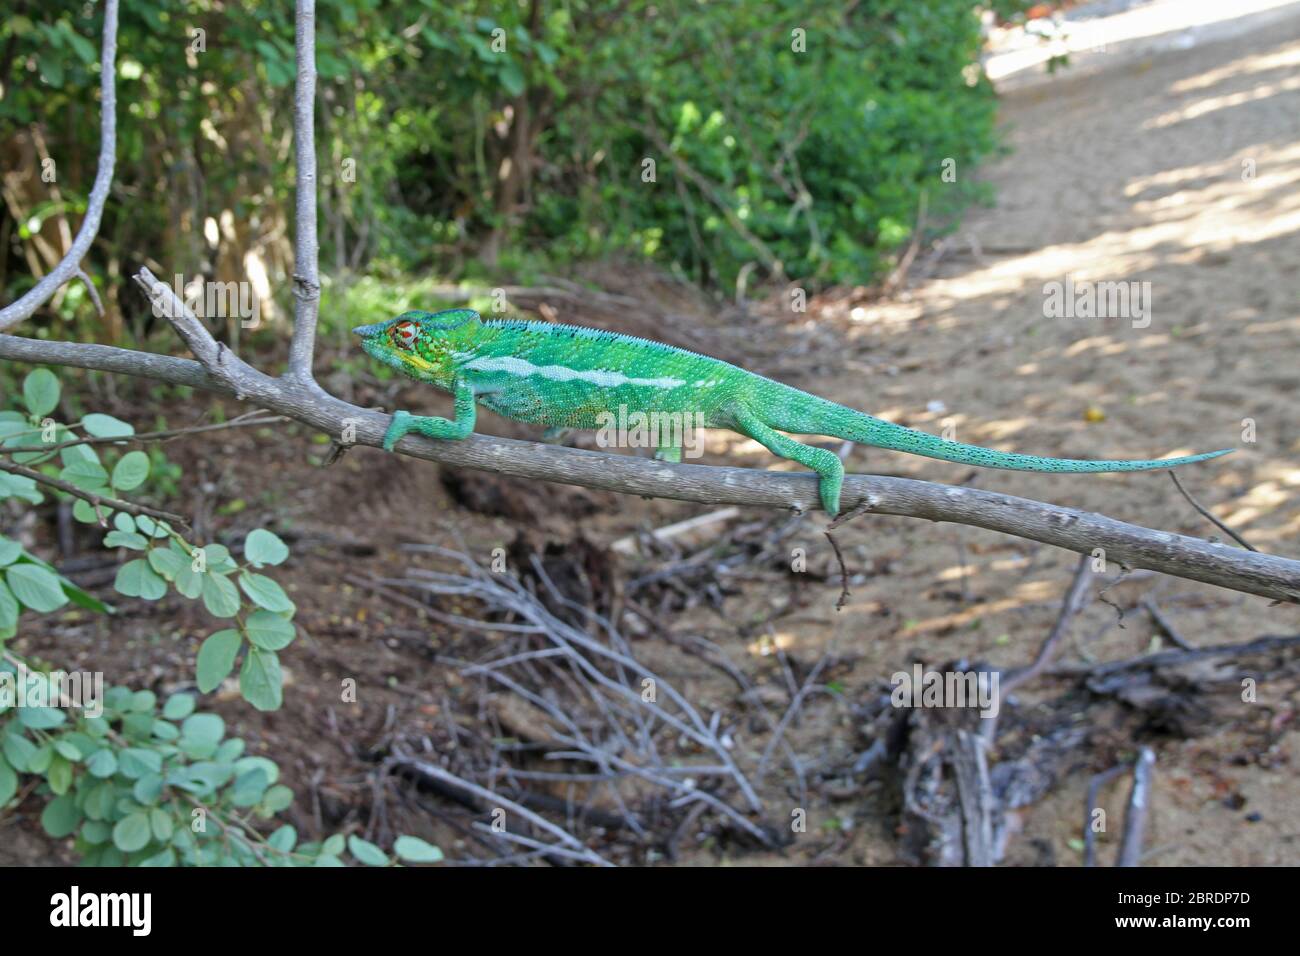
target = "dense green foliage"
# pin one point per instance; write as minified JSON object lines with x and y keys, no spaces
{"x":458,"y":136}
{"x":136,"y":784}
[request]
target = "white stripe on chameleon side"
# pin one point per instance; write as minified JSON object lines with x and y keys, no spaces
{"x":512,"y":365}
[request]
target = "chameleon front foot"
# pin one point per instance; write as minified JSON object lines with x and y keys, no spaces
{"x":399,"y":426}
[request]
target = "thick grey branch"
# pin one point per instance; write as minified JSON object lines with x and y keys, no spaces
{"x":1080,"y":531}
{"x":70,"y":266}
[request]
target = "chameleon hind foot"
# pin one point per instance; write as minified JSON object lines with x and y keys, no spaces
{"x":827,"y":464}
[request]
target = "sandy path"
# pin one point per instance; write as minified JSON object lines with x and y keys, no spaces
{"x":1170,"y":164}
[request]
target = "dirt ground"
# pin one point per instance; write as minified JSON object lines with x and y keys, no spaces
{"x":1133,"y":172}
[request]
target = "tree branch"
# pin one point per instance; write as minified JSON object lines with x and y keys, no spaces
{"x":306,"y":278}
{"x":1080,"y":531}
{"x":117,"y":504}
{"x":70,"y":266}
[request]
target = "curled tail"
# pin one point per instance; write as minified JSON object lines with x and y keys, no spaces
{"x":874,"y":431}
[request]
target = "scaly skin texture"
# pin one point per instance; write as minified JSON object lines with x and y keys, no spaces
{"x":564,"y":376}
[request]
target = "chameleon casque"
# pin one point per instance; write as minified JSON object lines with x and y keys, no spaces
{"x":565,"y":376}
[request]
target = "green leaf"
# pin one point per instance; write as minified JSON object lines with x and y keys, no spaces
{"x":102,"y":763}
{"x":59,"y":775}
{"x":137,"y":579}
{"x":134,"y":762}
{"x":284,"y":839}
{"x":18,"y":750}
{"x":366,"y":852}
{"x":414,"y":850}
{"x":264,"y":592}
{"x":264,"y":547}
{"x":106,"y":426}
{"x":132,"y":832}
{"x":188,"y":581}
{"x":8,"y":612}
{"x":219,"y":595}
{"x":161,"y":824}
{"x":130,"y":471}
{"x":277,"y":798}
{"x":80,"y":598}
{"x":68,"y":750}
{"x":124,"y":522}
{"x":41,"y":388}
{"x":269,"y":631}
{"x":260,"y":679}
{"x":126,"y":539}
{"x":512,"y":78}
{"x":35,"y":587}
{"x":61,"y":816}
{"x":168,"y":563}
{"x":9,"y":551}
{"x":203,"y":728}
{"x":86,"y":475}
{"x":41,"y":718}
{"x":217,"y":658}
{"x":178,"y":706}
{"x":8,"y":783}
{"x":85,"y":512}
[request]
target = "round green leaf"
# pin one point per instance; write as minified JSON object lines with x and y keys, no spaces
{"x":263,"y":547}
{"x":168,"y":563}
{"x":137,"y":579}
{"x":269,"y":631}
{"x":61,"y":816}
{"x":277,"y":798}
{"x":126,"y":539}
{"x":260,"y":679}
{"x":86,"y":475}
{"x":18,"y":750}
{"x":106,"y":426}
{"x":102,"y":764}
{"x":132,"y":832}
{"x":366,"y":852}
{"x":9,"y":551}
{"x":40,"y":392}
{"x":216,"y":658}
{"x":130,"y":471}
{"x":264,"y":592}
{"x":414,"y":850}
{"x":219,"y":595}
{"x":35,"y":587}
{"x":178,"y":706}
{"x":204,"y":728}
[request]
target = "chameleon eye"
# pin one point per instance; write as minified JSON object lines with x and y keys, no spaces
{"x":404,"y":335}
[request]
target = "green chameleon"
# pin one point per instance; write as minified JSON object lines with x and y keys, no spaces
{"x":565,"y":376}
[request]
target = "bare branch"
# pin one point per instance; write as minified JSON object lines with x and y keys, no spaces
{"x":1133,"y":546}
{"x":306,"y":278}
{"x":98,"y":501}
{"x":1139,"y":800}
{"x":70,"y":266}
{"x":247,"y":420}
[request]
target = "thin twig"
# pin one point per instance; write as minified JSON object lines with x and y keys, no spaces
{"x":1206,"y":513}
{"x":247,"y":420}
{"x":117,"y":504}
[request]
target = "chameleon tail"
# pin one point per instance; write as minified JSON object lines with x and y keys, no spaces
{"x":882,"y":434}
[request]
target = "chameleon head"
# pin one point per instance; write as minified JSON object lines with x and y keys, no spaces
{"x":419,"y":344}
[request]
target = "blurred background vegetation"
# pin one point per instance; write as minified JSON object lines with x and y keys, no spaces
{"x":469,"y":140}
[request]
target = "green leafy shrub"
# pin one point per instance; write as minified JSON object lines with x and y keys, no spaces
{"x":136,"y":784}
